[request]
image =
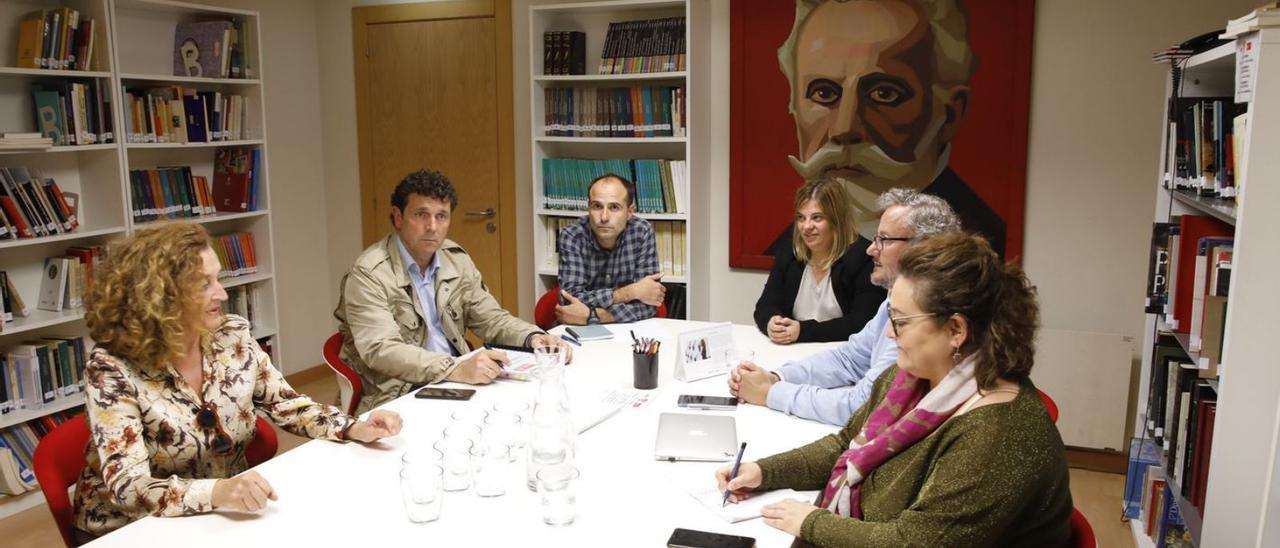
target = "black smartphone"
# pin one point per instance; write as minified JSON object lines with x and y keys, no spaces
{"x":717,"y":403}
{"x":430,"y":393}
{"x":688,"y":538}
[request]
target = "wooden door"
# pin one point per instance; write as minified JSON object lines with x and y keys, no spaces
{"x":435,"y":93}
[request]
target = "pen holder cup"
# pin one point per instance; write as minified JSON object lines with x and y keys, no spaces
{"x":645,"y":368}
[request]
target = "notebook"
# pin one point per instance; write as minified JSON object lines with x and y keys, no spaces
{"x":590,"y":332}
{"x":700,"y":483}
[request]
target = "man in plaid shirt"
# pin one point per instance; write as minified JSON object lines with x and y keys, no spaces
{"x":609,"y":260}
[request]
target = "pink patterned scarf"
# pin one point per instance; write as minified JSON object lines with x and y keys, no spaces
{"x":908,"y":413}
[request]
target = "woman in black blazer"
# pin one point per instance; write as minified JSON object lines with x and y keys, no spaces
{"x":823,"y":226}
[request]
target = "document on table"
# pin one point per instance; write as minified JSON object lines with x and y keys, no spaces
{"x":710,"y":495}
{"x":519,"y":364}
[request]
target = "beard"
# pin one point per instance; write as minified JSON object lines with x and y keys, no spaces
{"x":867,"y":171}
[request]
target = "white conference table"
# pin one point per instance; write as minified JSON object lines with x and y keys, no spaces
{"x":335,"y":494}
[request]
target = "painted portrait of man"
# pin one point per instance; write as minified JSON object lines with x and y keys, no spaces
{"x":878,"y":92}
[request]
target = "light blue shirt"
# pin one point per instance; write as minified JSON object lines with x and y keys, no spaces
{"x":426,"y":288}
{"x":831,"y":386}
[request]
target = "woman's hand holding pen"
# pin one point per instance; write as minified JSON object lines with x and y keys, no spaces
{"x":740,"y":487}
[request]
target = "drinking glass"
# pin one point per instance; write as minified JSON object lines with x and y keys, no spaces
{"x":456,"y":458}
{"x":462,"y":431}
{"x":555,"y":485}
{"x":504,"y":429}
{"x":470,"y":415}
{"x":421,"y":455}
{"x":420,"y":488}
{"x":490,"y":462}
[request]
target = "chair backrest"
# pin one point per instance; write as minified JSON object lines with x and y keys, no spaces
{"x":1049,"y":405}
{"x":58,"y":461}
{"x":264,"y":444}
{"x":544,"y":313}
{"x":1081,"y":532}
{"x":350,"y":387}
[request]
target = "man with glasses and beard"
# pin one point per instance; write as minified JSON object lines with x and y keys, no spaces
{"x":830,"y":386}
{"x":879,"y":88}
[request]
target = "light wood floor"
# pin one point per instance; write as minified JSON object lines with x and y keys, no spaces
{"x":1098,"y":495}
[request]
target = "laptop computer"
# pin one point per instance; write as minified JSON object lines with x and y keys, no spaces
{"x":696,"y":437}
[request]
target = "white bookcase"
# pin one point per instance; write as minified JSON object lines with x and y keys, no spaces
{"x":593,"y":18}
{"x":134,"y":47}
{"x":1242,"y":505}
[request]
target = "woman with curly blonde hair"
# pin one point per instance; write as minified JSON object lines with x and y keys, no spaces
{"x":173,"y":387}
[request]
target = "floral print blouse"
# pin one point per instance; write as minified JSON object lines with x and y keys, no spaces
{"x":154,"y":448}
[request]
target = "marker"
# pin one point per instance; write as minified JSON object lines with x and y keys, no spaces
{"x":733,"y":473}
{"x":570,"y":340}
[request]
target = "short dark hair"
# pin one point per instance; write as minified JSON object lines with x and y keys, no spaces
{"x":628,"y":185}
{"x":429,"y":183}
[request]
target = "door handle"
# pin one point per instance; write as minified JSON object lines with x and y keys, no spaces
{"x":486,"y":213}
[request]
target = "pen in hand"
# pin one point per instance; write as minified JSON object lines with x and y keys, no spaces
{"x":733,"y":473}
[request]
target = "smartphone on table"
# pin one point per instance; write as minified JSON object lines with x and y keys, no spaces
{"x":432,"y":393}
{"x":710,"y":403}
{"x":689,"y":538}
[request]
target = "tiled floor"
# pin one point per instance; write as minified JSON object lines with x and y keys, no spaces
{"x":1096,"y":494}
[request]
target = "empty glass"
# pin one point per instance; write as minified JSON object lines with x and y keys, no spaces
{"x":555,"y":485}
{"x":456,"y":458}
{"x":420,"y":488}
{"x":419,"y":455}
{"x":463,"y":431}
{"x":470,"y":415}
{"x":504,"y":429}
{"x":490,"y":463}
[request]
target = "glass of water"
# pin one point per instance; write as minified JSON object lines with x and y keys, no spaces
{"x":470,"y":415}
{"x":420,"y":487}
{"x":505,"y":429}
{"x":555,"y":486}
{"x":490,"y":463}
{"x":463,"y":431}
{"x":421,"y":455}
{"x":456,"y":459}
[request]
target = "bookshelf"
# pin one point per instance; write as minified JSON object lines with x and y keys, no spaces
{"x":1243,"y":475}
{"x":134,"y":44}
{"x":593,"y":19}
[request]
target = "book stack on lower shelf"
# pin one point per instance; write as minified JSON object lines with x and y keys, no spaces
{"x":17,"y":449}
{"x":662,"y":186}
{"x":32,"y":205}
{"x":57,"y":39}
{"x":236,"y":254}
{"x":638,"y":111}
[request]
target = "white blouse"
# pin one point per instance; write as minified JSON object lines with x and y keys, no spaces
{"x":816,"y":300}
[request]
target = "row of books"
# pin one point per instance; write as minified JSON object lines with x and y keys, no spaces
{"x":1150,"y":499}
{"x":56,"y":39}
{"x":38,"y":373}
{"x":237,"y":177}
{"x":12,"y":141}
{"x":1204,"y":141}
{"x":182,"y":115}
{"x":64,"y":283}
{"x":73,"y":113}
{"x":670,"y":237}
{"x":243,"y":301}
{"x":564,"y":52}
{"x":211,"y":49}
{"x":236,"y":254}
{"x":17,"y":449}
{"x":175,"y":192}
{"x":662,"y":186}
{"x":651,"y":45}
{"x":1189,"y":280}
{"x":32,"y":205}
{"x":649,"y":111}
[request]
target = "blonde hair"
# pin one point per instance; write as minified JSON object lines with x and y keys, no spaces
{"x":141,"y":306}
{"x":834,"y":202}
{"x":954,"y":60}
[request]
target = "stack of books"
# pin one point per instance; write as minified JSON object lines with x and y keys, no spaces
{"x":662,"y":186}
{"x":649,"y":111}
{"x":182,"y":115}
{"x":18,"y":445}
{"x":73,"y":113}
{"x":211,"y":49}
{"x":24,"y":141}
{"x":235,"y":253}
{"x":57,"y":39}
{"x":651,"y":45}
{"x":169,"y":193}
{"x":243,"y":301}
{"x":32,"y":206}
{"x":564,"y":52}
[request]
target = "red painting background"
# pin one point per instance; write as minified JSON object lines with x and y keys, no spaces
{"x":989,"y":153}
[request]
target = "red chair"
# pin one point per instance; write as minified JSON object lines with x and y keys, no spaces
{"x":1081,"y":532}
{"x":59,"y":459}
{"x":350,"y":387}
{"x":1049,"y":405}
{"x":544,"y":313}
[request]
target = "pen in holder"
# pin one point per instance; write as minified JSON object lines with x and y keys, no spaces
{"x":644,"y":359}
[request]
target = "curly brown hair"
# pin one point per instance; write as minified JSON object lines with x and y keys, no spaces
{"x":958,"y":273}
{"x":141,"y":305}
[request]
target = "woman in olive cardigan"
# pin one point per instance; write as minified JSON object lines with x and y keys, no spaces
{"x":826,"y":267}
{"x":954,"y":447}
